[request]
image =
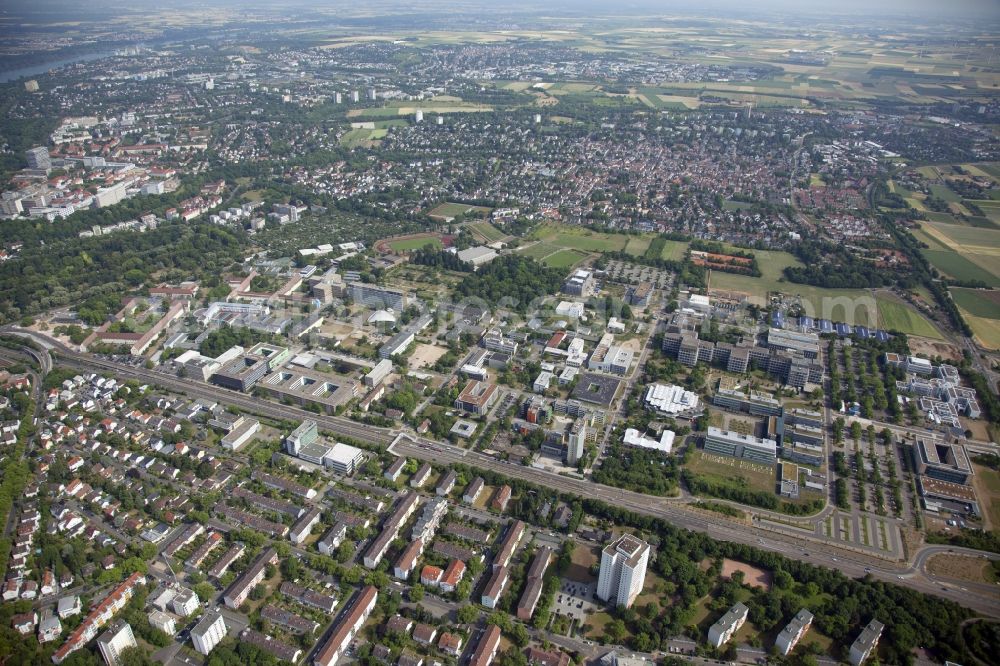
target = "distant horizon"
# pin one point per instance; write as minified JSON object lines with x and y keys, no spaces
{"x":905,"y":10}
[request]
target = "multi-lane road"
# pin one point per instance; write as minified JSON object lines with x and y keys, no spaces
{"x":978,"y":597}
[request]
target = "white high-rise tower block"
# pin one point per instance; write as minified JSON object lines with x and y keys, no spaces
{"x":623,"y":570}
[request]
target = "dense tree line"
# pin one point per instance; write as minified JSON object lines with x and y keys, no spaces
{"x":834,"y":266}
{"x":93,"y":273}
{"x":640,"y":470}
{"x":429,"y":256}
{"x":988,"y":400}
{"x":226,"y":337}
{"x":514,"y":279}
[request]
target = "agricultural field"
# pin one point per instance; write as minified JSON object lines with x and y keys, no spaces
{"x":894,"y":315}
{"x":981,"y":310}
{"x":978,"y":302}
{"x":963,"y":252}
{"x":539,"y":250}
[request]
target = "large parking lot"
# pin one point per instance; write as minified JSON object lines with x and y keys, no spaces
{"x":629,"y":273}
{"x":576,"y":600}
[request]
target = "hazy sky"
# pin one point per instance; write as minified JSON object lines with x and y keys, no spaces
{"x":988,"y":9}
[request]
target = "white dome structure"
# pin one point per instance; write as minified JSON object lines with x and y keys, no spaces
{"x":382,"y":317}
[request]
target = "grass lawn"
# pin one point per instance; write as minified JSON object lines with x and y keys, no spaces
{"x":564,"y":258}
{"x":539,"y":250}
{"x":583,"y":558}
{"x":855,"y":306}
{"x":404,"y":244}
{"x":451,"y":209}
{"x":637,"y":245}
{"x":589,"y":241}
{"x":964,"y":567}
{"x":987,"y":484}
{"x":489,"y":233}
{"x":674,"y":250}
{"x":361,"y":137}
{"x":734,"y":472}
{"x":897,"y":316}
{"x":597,"y":622}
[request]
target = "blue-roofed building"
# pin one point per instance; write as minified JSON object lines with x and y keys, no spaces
{"x":825,"y":326}
{"x":881,"y":336}
{"x":862,"y":332}
{"x":842,"y":329}
{"x":807,"y":322}
{"x":778,"y":319}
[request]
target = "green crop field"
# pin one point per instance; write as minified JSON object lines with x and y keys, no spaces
{"x":944,"y":192}
{"x":896,"y":316}
{"x":981,"y":310}
{"x":969,"y":236}
{"x":978,"y":302}
{"x":406,"y":244}
{"x":955,"y":265}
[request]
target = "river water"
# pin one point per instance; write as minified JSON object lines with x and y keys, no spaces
{"x":35,"y":70}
